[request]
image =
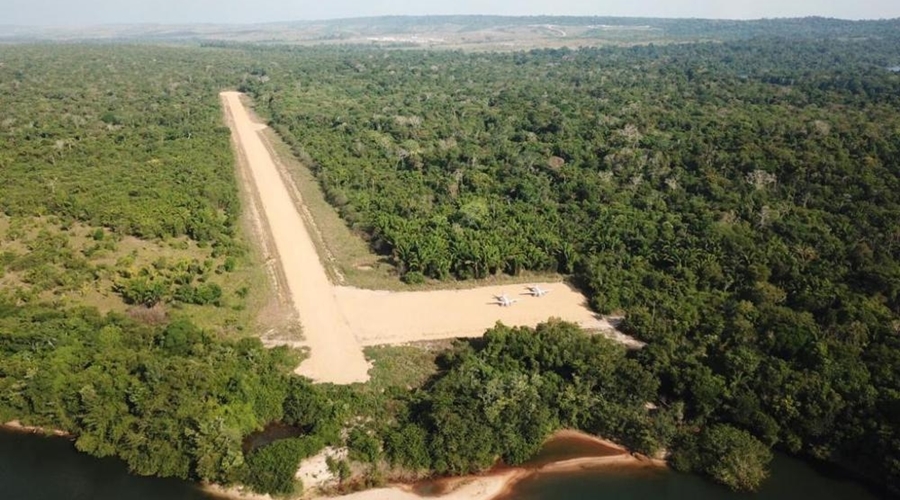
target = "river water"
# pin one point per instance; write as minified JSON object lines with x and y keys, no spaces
{"x":39,"y":468}
{"x":791,"y":479}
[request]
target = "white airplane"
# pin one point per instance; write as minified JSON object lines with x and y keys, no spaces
{"x":537,"y":291}
{"x":504,"y":301}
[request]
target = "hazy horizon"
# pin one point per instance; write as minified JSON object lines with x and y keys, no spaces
{"x":96,"y":12}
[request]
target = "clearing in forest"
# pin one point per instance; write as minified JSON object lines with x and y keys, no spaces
{"x":338,"y":321}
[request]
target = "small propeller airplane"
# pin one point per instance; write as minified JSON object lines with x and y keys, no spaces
{"x":537,"y":291}
{"x":504,"y":301}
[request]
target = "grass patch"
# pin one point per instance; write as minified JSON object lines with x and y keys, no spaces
{"x":71,"y":264}
{"x":407,"y":366}
{"x":395,"y":371}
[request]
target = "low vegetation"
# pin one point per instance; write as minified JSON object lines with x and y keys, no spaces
{"x":117,"y":185}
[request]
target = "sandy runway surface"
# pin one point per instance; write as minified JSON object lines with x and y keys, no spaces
{"x":335,"y":354}
{"x":338,"y":321}
{"x":378,"y":317}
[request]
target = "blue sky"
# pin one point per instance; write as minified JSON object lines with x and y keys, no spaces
{"x":82,"y":12}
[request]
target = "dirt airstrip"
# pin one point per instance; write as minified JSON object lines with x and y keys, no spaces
{"x":338,"y":321}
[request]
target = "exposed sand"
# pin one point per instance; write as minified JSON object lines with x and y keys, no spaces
{"x":232,"y":492}
{"x":478,"y":488}
{"x":15,"y":425}
{"x":338,"y":321}
{"x":497,"y":485}
{"x":313,"y":471}
{"x":379,"y":317}
{"x":335,"y":354}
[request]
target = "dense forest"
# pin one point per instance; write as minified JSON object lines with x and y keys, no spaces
{"x":168,"y":400}
{"x":737,"y":202}
{"x":108,"y":139}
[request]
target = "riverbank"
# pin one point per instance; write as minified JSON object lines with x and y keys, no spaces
{"x":496,"y":485}
{"x":17,"y":426}
{"x":585,"y":453}
{"x":35,"y":466}
{"x":232,"y":493}
{"x":465,"y":488}
{"x":603,"y":454}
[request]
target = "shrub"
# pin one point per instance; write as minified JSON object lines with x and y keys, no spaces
{"x":414,"y":278}
{"x":728,"y":455}
{"x":364,"y":446}
{"x":141,"y":291}
{"x":272,"y":469}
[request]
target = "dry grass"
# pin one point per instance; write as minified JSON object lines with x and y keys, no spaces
{"x":129,"y":254}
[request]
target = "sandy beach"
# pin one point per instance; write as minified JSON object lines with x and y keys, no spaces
{"x":16,"y":426}
{"x":338,"y":321}
{"x":491,"y":486}
{"x":477,"y":488}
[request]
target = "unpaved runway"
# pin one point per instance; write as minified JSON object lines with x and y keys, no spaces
{"x":335,"y":354}
{"x":396,"y":317}
{"x":338,"y":321}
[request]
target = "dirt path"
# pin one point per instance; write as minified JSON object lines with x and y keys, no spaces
{"x":335,"y":354}
{"x":338,"y":321}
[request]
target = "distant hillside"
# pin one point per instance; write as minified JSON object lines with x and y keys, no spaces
{"x":486,"y":32}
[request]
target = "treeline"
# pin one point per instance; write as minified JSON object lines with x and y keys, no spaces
{"x":168,"y":400}
{"x":737,"y":201}
{"x":497,"y":400}
{"x":636,"y":29}
{"x":503,"y":397}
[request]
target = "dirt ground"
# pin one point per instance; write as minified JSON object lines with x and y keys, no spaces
{"x":338,"y":321}
{"x":480,"y":488}
{"x":378,"y":317}
{"x":335,"y":354}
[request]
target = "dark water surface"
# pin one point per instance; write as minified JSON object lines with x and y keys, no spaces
{"x":35,"y":467}
{"x":791,"y":479}
{"x":40,"y":468}
{"x":569,"y":447}
{"x":273,"y":432}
